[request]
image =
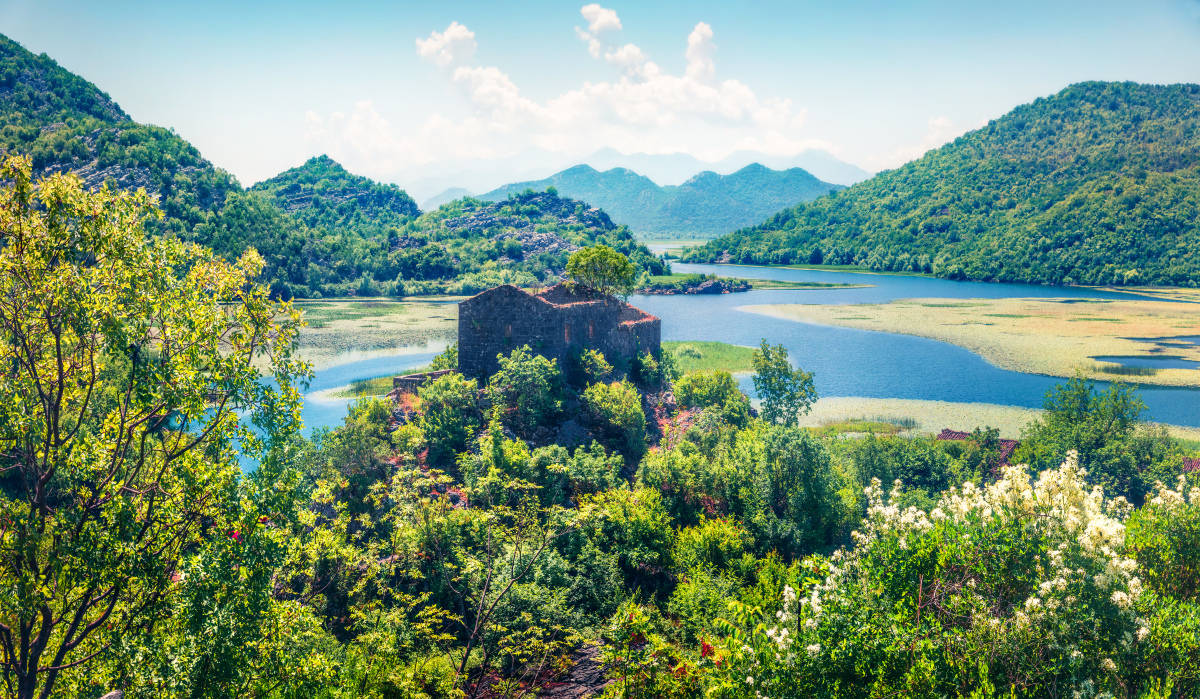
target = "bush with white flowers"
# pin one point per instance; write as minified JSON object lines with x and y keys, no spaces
{"x":1023,"y":584}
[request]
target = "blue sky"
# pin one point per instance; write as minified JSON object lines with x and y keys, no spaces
{"x":260,"y":86}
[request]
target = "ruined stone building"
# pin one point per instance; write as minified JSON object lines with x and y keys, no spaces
{"x":554,"y":323}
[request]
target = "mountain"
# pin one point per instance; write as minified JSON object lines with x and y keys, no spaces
{"x":706,"y":205}
{"x":470,"y":245}
{"x":65,"y":123}
{"x":321,"y":230}
{"x":445,"y":197}
{"x":1098,"y":184}
{"x":675,"y":168}
{"x":321,"y":193}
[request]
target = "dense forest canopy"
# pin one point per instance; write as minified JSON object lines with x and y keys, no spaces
{"x":321,"y":230}
{"x":1098,"y":184}
{"x":706,"y":205}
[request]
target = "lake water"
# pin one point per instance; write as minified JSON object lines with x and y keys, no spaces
{"x":844,"y":361}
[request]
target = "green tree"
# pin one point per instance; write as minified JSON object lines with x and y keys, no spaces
{"x":1103,"y":428}
{"x":526,"y":389}
{"x":786,"y":393}
{"x":603,"y":269}
{"x":617,"y":408}
{"x":715,"y":389}
{"x":449,"y":414}
{"x":126,"y":363}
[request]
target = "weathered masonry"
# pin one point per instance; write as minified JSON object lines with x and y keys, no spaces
{"x":554,"y":323}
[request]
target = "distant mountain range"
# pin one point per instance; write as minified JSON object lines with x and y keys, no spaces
{"x":704,"y":206}
{"x":1098,"y":184}
{"x":435,"y":185}
{"x":675,"y":168}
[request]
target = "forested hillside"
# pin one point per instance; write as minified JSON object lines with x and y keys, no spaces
{"x":321,"y":193}
{"x":321,"y":230}
{"x":706,"y":205}
{"x":66,"y":123}
{"x":1098,"y":184}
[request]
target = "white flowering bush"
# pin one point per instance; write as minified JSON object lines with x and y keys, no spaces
{"x":1021,"y":585}
{"x":1164,"y":537}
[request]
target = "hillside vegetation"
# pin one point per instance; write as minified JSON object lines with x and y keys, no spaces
{"x":1098,"y":184}
{"x":706,"y":205}
{"x":321,"y":230}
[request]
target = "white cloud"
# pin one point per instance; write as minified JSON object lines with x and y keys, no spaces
{"x":700,"y":52}
{"x":643,"y":108}
{"x":600,"y":19}
{"x":451,"y":47}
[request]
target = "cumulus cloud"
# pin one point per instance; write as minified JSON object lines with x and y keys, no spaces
{"x":600,"y":19}
{"x":454,"y":46}
{"x":643,"y":108}
{"x":700,"y":52}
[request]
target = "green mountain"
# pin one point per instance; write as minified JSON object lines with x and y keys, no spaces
{"x":1098,"y":184}
{"x":321,"y":193}
{"x":470,"y":245}
{"x":706,"y":205}
{"x":64,"y":122}
{"x":321,"y":230}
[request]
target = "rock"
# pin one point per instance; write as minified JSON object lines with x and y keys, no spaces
{"x":115,"y":694}
{"x":584,"y":679}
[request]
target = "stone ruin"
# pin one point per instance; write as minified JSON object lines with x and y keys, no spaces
{"x":555,"y":323}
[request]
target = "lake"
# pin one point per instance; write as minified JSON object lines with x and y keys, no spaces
{"x":844,"y":361}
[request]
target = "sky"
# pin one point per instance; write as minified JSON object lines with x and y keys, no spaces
{"x":413,"y":92}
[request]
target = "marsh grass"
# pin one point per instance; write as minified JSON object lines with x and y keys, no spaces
{"x":337,"y":329}
{"x":1035,"y":336}
{"x":857,"y":426}
{"x":874,"y":424}
{"x":378,"y":386}
{"x":707,"y":356}
{"x":1122,"y":370}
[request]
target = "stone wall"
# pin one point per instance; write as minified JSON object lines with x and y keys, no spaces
{"x":554,"y":324}
{"x":409,"y":383}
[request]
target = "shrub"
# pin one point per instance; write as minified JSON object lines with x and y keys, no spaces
{"x":713,"y":389}
{"x":1021,"y":585}
{"x":449,"y":414}
{"x":526,"y":390}
{"x":617,"y":409}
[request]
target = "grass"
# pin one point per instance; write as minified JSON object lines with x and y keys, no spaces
{"x":1035,"y":336}
{"x":707,"y":356}
{"x":858,"y":426}
{"x":378,"y":386}
{"x":1121,"y":370}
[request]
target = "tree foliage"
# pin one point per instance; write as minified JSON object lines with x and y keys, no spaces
{"x":786,"y":393}
{"x":603,"y":269}
{"x":126,"y":365}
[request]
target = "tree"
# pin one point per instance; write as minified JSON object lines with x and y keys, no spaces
{"x":715,"y":389}
{"x":124,"y":366}
{"x":525,"y":389}
{"x":1103,"y":429}
{"x":617,"y":409}
{"x":603,"y":269}
{"x":449,"y":414}
{"x":786,"y":393}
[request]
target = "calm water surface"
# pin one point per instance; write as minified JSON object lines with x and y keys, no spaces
{"x":845,"y":361}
